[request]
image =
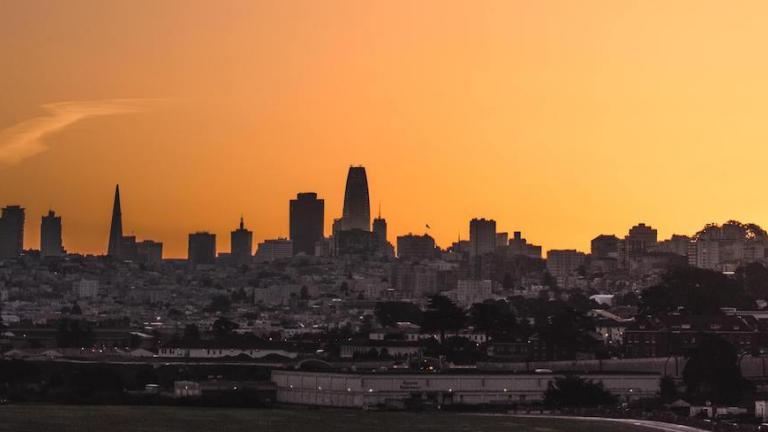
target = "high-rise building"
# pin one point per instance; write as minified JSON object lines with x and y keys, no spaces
{"x":640,"y":240}
{"x":482,"y":236}
{"x":520,"y":246}
{"x":502,"y":239}
{"x":561,"y":263}
{"x":202,"y":249}
{"x":605,"y":246}
{"x":380,"y":230}
{"x":50,"y":235}
{"x":357,"y":207}
{"x":416,"y":247}
{"x":116,"y":227}
{"x":242,"y":245}
{"x":150,"y":252}
{"x":307,"y":220}
{"x":274,"y":249}
{"x":11,"y":231}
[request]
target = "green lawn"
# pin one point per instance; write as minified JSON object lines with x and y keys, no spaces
{"x":60,"y":418}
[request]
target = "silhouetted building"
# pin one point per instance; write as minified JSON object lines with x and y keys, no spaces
{"x":561,"y":263}
{"x":354,"y":242}
{"x":307,"y":220}
{"x":242,"y":245}
{"x":275,"y":249}
{"x":502,"y":239}
{"x":640,"y":240}
{"x":605,"y":246}
{"x":150,"y":252}
{"x":380,"y":230}
{"x":202,"y":248}
{"x":11,"y":231}
{"x":520,"y":246}
{"x":357,"y":207}
{"x":416,"y":247}
{"x":50,"y":235}
{"x":116,"y":227}
{"x":482,"y":236}
{"x":677,"y":244}
{"x":128,"y":248}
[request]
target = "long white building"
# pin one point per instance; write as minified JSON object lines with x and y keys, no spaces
{"x":359,"y":390}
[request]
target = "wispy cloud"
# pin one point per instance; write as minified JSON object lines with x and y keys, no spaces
{"x":26,"y":139}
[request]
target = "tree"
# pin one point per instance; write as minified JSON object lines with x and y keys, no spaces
{"x":712,"y":371}
{"x":493,"y":317}
{"x":390,"y":313}
{"x":568,"y":333}
{"x":191,"y":334}
{"x":753,"y":277}
{"x":443,"y":315}
{"x":223,"y":327}
{"x":572,"y":391}
{"x":219,"y":303}
{"x":667,"y":389}
{"x":73,"y":334}
{"x":698,"y":291}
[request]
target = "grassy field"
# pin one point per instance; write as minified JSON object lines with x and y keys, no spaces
{"x":36,"y":418}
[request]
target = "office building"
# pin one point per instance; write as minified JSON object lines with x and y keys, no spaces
{"x":482,"y":236}
{"x":520,"y":246}
{"x":357,"y":207}
{"x":11,"y":231}
{"x":242,"y":245}
{"x":561,"y":263}
{"x":50,"y":235}
{"x":202,"y":249}
{"x":275,"y":249}
{"x":605,"y":246}
{"x":150,"y":252}
{"x":416,"y":247}
{"x":307,"y":220}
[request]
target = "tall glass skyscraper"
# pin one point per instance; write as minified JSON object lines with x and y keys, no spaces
{"x":357,"y":207}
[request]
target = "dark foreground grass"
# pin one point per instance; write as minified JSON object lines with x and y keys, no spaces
{"x":66,"y":418}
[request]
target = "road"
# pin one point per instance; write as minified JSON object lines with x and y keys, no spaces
{"x":656,"y":425}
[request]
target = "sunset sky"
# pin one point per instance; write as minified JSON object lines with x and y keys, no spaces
{"x":561,"y":119}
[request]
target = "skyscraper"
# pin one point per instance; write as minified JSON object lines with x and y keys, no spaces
{"x":202,"y":248}
{"x":149,"y":252}
{"x":116,"y":228}
{"x":11,"y":231}
{"x":50,"y":235}
{"x":306,"y":225}
{"x":482,"y":236}
{"x":242,"y":245}
{"x":380,"y":230}
{"x":357,"y":207}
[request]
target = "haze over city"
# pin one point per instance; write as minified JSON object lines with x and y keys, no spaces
{"x":560,"y":119}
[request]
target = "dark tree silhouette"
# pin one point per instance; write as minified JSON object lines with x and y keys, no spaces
{"x":712,"y":371}
{"x":443,"y":315}
{"x":223,"y":327}
{"x":697,"y":291}
{"x":73,"y":334}
{"x":753,"y":277}
{"x":568,"y":333}
{"x":390,"y":313}
{"x":572,"y":391}
{"x":493,"y":317}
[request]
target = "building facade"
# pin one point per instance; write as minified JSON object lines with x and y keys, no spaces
{"x":307,"y":221}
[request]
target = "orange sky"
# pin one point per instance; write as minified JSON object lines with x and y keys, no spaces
{"x":563,"y":119}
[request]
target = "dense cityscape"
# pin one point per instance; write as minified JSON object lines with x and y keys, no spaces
{"x":350,"y":320}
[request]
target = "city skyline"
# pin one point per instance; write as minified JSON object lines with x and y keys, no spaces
{"x":561,"y":120}
{"x":304,"y":226}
